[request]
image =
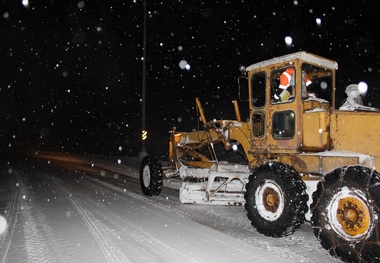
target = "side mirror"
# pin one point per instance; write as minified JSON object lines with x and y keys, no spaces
{"x":243,"y":88}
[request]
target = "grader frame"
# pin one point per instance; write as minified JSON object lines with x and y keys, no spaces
{"x":299,"y":158}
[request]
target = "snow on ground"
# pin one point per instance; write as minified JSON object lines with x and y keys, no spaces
{"x":65,"y":208}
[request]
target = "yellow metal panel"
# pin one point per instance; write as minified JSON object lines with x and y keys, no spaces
{"x":315,"y":130}
{"x":312,"y":104}
{"x":303,"y":163}
{"x":318,"y":163}
{"x":330,"y":163}
{"x":356,"y":131}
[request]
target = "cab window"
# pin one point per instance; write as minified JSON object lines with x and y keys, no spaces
{"x":258,"y":124}
{"x":283,"y":125}
{"x":316,"y":83}
{"x":258,"y":89}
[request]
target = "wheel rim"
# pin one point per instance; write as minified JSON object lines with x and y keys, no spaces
{"x":146,"y":176}
{"x":349,"y":215}
{"x":269,"y":200}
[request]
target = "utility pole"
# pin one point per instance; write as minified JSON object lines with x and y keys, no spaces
{"x":143,"y":93}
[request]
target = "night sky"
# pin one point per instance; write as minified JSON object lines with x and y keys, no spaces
{"x":71,"y":71}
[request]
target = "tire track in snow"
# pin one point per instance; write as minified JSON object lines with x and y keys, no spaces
{"x":11,"y":217}
{"x":140,"y":238}
{"x":41,"y":241}
{"x":34,"y":241}
{"x":37,"y":231}
{"x":100,"y":233}
{"x":107,"y":239}
{"x":109,"y":249}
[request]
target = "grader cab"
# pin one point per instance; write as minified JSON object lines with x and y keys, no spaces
{"x":293,"y":157}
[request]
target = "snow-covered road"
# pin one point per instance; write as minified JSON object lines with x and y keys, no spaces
{"x":60,"y":208}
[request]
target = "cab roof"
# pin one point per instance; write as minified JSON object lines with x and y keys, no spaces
{"x":302,"y":55}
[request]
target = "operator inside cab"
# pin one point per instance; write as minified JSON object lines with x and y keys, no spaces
{"x":283,"y":85}
{"x":316,"y":83}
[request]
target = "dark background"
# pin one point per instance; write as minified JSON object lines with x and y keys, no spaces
{"x":71,"y":71}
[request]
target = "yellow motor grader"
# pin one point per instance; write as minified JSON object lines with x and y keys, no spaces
{"x":293,"y":156}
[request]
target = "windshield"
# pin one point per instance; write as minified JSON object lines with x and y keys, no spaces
{"x":316,"y":82}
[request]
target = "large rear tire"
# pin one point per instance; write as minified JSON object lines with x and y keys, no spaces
{"x":276,"y":199}
{"x":151,"y":176}
{"x":345,"y":214}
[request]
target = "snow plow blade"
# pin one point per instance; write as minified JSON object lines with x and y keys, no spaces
{"x":222,"y":184}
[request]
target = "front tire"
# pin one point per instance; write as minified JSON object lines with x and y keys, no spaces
{"x":151,"y":176}
{"x":345,"y":214}
{"x":276,"y":199}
